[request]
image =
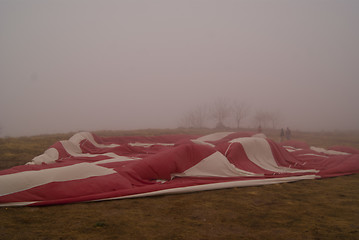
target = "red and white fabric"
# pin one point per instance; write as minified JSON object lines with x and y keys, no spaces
{"x":91,"y":168}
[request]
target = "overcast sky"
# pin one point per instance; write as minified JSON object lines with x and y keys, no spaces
{"x":69,"y":65}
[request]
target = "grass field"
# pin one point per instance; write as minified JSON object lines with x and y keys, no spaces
{"x":309,"y":209}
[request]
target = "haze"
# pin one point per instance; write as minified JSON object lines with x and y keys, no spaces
{"x":70,"y":65}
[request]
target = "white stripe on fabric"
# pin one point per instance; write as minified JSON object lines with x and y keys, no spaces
{"x":259,"y":152}
{"x":12,"y":183}
{"x":292,"y":149}
{"x":78,"y":137}
{"x":214,"y":136}
{"x":215,"y":165}
{"x":329,"y":152}
{"x":72,"y":147}
{"x":139,"y":144}
{"x":75,"y":151}
{"x":49,"y":156}
{"x":202,"y":143}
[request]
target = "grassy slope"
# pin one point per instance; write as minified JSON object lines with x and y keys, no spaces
{"x":313,"y":209}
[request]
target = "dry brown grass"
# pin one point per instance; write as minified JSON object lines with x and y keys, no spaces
{"x":310,"y":209}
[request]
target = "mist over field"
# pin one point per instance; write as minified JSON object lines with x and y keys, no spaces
{"x":70,"y":65}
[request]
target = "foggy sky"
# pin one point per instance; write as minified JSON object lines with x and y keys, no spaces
{"x":69,"y":65}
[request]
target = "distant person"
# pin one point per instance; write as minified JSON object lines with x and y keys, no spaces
{"x":288,"y":133}
{"x":282,"y":135}
{"x":259,"y":129}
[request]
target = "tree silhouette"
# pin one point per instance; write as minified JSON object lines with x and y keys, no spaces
{"x":240,"y":111}
{"x":220,"y":111}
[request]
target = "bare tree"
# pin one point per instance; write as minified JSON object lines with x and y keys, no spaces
{"x":220,"y":111}
{"x":186,"y":120}
{"x":268,"y":119}
{"x":240,"y":111}
{"x":195,"y":118}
